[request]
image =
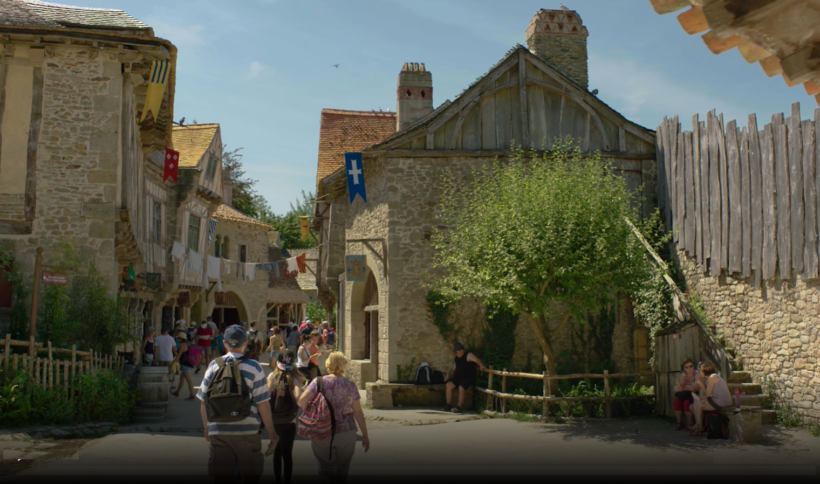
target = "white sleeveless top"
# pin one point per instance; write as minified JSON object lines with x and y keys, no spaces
{"x":300,"y":362}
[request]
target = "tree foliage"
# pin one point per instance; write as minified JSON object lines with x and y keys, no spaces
{"x":288,"y":224}
{"x":245,"y":198}
{"x":535,"y":231}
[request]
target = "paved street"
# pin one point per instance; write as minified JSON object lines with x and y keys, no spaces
{"x":413,"y":442}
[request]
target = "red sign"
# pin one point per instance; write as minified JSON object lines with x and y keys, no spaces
{"x":54,"y":279}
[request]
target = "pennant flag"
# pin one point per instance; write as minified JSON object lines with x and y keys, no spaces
{"x":300,"y":262}
{"x":211,"y":228}
{"x":171,"y":165}
{"x":303,"y":225}
{"x":355,"y":176}
{"x":156,"y":89}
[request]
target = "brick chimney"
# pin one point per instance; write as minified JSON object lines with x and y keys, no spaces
{"x":560,"y":38}
{"x":414,"y":95}
{"x":227,"y":187}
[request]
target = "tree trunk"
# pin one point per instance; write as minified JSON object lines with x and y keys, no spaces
{"x":539,"y":326}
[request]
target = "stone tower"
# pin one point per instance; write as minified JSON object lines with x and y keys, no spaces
{"x":560,"y":38}
{"x":414,"y":95}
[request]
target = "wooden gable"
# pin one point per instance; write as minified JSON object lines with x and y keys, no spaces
{"x":524,"y":102}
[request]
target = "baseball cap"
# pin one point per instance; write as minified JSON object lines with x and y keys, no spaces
{"x":286,"y":357}
{"x":458,"y":347}
{"x":235,"y":336}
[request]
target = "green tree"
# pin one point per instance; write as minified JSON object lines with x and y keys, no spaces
{"x":288,"y":224}
{"x":245,"y":198}
{"x":532,"y":232}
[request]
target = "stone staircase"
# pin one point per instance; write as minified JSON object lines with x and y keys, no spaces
{"x":741,"y":381}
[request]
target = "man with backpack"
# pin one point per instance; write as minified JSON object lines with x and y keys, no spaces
{"x":231,"y":411}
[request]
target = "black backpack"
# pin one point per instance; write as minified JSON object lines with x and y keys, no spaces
{"x":714,"y":426}
{"x":283,"y":405}
{"x":437,"y":378}
{"x":423,"y":376}
{"x":228,"y":398}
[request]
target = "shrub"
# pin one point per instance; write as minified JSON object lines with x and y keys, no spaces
{"x":104,"y":396}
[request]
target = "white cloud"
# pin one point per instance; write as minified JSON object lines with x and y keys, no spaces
{"x":255,"y":69}
{"x":644,"y":94}
{"x":177,"y":34}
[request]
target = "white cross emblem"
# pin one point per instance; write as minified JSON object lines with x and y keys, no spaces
{"x":355,"y":172}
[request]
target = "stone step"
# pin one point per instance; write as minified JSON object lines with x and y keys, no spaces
{"x":748,"y":388}
{"x":740,"y":377}
{"x":753,"y":400}
{"x":769,"y":416}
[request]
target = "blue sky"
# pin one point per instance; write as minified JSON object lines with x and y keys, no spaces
{"x":263,"y":68}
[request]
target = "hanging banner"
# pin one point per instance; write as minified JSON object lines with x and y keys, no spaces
{"x":156,"y":89}
{"x":356,"y":268}
{"x":184,"y":299}
{"x":355,"y":176}
{"x":153,"y":280}
{"x":219,"y":298}
{"x":303,"y":226}
{"x":171,"y":165}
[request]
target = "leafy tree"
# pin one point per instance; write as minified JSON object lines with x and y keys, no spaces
{"x":288,"y":224}
{"x":533,"y":232}
{"x":245,"y":198}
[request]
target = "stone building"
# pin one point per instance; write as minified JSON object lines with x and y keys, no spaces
{"x":77,"y":166}
{"x":528,"y":98}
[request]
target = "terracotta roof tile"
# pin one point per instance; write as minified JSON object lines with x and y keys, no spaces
{"x":84,"y":16}
{"x":192,"y":142}
{"x":230,"y":214}
{"x":345,"y":131}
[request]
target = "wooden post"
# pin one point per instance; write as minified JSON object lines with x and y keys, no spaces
{"x":15,"y":360}
{"x":7,"y":352}
{"x":607,"y":406}
{"x":50,"y":368}
{"x":504,"y":390}
{"x":73,"y":369}
{"x":36,"y":366}
{"x":545,"y":408}
{"x":490,"y":398}
{"x":35,"y":296}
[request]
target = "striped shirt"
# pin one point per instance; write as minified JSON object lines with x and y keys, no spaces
{"x":255,"y":380}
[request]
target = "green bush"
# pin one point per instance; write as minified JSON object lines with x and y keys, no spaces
{"x":103,"y":396}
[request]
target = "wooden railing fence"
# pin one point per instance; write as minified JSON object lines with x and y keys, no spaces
{"x":546,"y":399}
{"x":743,"y":200}
{"x":51,"y":373}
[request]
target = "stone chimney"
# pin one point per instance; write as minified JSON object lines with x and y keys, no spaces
{"x":227,"y":187}
{"x":414,"y":95}
{"x":560,"y":38}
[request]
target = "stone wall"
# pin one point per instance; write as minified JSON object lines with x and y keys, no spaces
{"x":775,"y":330}
{"x":76,"y":159}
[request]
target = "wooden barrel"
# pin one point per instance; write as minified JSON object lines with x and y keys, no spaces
{"x":152,"y":391}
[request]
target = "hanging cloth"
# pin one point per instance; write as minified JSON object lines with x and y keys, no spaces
{"x":178,"y":251}
{"x":300,"y":262}
{"x":194,"y":261}
{"x":293,"y":265}
{"x":249,"y":272}
{"x":214,"y":268}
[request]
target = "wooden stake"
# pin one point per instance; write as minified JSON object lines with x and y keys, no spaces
{"x":607,"y":405}
{"x":545,"y":408}
{"x":73,"y":369}
{"x":50,"y":368}
{"x":15,"y":361}
{"x":7,"y":352}
{"x":35,"y":296}
{"x":491,"y":399}
{"x":504,"y":390}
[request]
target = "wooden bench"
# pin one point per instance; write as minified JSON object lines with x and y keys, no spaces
{"x":389,"y":395}
{"x":745,"y":423}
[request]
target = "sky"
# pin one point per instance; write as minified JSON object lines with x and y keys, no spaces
{"x":263,"y":69}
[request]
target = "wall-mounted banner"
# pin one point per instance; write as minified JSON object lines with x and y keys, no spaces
{"x":171,"y":165}
{"x":184,"y":299}
{"x":153,"y":280}
{"x":355,"y":176}
{"x":303,"y":226}
{"x":356,"y":268}
{"x":156,"y":89}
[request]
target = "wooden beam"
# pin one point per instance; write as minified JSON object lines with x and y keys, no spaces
{"x":752,"y":52}
{"x":811,"y":88}
{"x":522,"y":93}
{"x":579,"y":101}
{"x":451,"y":142}
{"x":771,"y":66}
{"x":618,"y":155}
{"x":720,"y":45}
{"x":693,"y":21}
{"x":803,"y":65}
{"x":728,"y":17}
{"x":668,"y":6}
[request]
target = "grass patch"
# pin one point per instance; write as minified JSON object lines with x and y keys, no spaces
{"x":814,"y":429}
{"x":523,"y":417}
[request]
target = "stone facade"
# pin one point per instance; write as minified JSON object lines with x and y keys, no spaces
{"x":775,"y":331}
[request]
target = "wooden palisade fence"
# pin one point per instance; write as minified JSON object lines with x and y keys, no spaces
{"x":546,"y":399}
{"x":53,"y":373}
{"x":743,"y":200}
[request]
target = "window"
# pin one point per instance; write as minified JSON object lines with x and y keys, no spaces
{"x":243,"y":253}
{"x":225,"y":247}
{"x":156,"y":223}
{"x":210,"y":170}
{"x":216,"y":245}
{"x":193,"y":232}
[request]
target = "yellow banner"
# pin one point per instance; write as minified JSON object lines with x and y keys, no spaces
{"x":303,"y":224}
{"x":156,"y":89}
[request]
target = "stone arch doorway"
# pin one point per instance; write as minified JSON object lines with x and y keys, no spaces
{"x":371,"y":319}
{"x":363,"y":327}
{"x":229,"y":309}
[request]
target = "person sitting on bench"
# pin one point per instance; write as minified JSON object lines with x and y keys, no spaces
{"x":461,"y":375}
{"x":713,"y":399}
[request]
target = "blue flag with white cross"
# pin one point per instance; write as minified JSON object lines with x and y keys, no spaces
{"x":355,"y":176}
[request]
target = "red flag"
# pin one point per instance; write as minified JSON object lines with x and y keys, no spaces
{"x":300,"y":261}
{"x":171,"y":164}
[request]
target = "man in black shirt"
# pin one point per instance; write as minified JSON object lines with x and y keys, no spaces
{"x":462,"y":375}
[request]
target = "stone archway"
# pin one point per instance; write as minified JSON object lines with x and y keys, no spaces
{"x":230,"y":310}
{"x":362,"y":328}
